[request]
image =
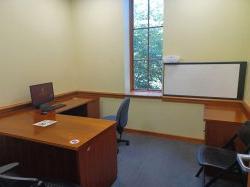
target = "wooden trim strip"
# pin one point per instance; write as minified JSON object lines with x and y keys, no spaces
{"x":66,"y":95}
{"x":148,"y":95}
{"x":134,"y":94}
{"x":19,"y":106}
{"x":235,"y":103}
{"x":246,"y":106}
{"x":131,"y":43}
{"x":15,"y":107}
{"x":167,"y":136}
{"x":100,"y":94}
{"x":158,"y":95}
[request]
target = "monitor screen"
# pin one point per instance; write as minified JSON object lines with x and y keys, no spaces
{"x":41,"y":93}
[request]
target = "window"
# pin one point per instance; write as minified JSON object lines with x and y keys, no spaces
{"x":146,"y":42}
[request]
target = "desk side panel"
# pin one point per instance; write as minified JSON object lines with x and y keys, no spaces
{"x":39,"y":160}
{"x":93,"y":109}
{"x":98,"y":160}
{"x":248,"y":182}
{"x":218,"y":133}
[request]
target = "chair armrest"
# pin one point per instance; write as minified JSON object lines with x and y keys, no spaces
{"x":8,"y":167}
{"x":19,"y":179}
{"x":241,"y":158}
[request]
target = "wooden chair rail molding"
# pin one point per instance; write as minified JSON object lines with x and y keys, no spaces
{"x":146,"y":95}
{"x":224,"y":102}
{"x":158,"y":95}
{"x":26,"y":104}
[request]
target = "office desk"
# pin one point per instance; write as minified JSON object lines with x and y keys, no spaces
{"x":47,"y":152}
{"x":87,"y":107}
{"x":221,"y":123}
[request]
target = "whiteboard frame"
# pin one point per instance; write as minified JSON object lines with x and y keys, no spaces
{"x":241,"y":82}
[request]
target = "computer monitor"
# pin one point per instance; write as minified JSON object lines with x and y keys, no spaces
{"x":41,"y":93}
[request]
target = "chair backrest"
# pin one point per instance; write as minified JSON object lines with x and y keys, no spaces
{"x":244,"y":134}
{"x":122,"y":113}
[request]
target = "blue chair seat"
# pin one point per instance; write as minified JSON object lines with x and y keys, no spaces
{"x":121,"y":118}
{"x":110,"y":117}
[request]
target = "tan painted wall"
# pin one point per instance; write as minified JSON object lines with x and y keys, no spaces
{"x":157,"y":116}
{"x":215,"y":30}
{"x":247,"y":85}
{"x":197,"y":30}
{"x":99,"y":34}
{"x":35,"y":47}
{"x":201,"y":30}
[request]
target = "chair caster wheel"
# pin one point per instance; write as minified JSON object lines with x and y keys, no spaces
{"x":127,"y":143}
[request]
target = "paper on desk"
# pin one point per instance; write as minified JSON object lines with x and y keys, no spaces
{"x":45,"y":123}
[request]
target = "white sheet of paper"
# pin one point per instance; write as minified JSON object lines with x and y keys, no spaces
{"x":45,"y":123}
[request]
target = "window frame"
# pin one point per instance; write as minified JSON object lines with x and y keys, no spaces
{"x":131,"y":48}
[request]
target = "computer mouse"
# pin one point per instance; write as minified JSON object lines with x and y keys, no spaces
{"x":44,"y":112}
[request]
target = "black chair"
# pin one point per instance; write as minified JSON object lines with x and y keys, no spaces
{"x":121,"y":118}
{"x":7,"y":180}
{"x":224,"y":159}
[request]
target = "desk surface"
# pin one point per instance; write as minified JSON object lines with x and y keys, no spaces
{"x":19,"y":125}
{"x":225,"y":114}
{"x":73,"y":103}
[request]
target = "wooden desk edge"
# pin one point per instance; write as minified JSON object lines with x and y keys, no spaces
{"x":69,"y":104}
{"x":247,"y":108}
{"x":82,"y":101}
{"x":38,"y":141}
{"x":55,"y":144}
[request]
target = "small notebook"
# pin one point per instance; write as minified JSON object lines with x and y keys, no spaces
{"x":45,"y":123}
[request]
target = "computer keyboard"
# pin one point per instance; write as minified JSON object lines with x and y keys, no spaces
{"x":57,"y":106}
{"x":47,"y":107}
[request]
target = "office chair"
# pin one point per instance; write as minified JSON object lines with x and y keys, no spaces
{"x":13,"y":181}
{"x":224,"y":159}
{"x":121,"y":118}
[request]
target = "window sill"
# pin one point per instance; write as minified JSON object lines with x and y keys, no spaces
{"x":146,"y":94}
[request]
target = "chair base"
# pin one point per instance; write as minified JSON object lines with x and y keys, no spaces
{"x":220,"y":174}
{"x":199,"y":172}
{"x":123,"y":141}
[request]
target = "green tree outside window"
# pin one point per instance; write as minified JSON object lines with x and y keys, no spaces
{"x":147,"y":44}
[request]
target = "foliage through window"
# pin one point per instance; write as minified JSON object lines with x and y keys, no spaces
{"x":147,"y":42}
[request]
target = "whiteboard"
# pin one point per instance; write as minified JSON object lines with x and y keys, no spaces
{"x":213,"y":80}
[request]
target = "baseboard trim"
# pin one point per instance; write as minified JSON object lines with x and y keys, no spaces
{"x":167,"y":136}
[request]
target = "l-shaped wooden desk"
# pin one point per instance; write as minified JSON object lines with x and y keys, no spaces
{"x":46,"y":152}
{"x":222,"y":122}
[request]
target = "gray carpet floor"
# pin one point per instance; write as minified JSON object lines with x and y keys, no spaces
{"x":159,"y":162}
